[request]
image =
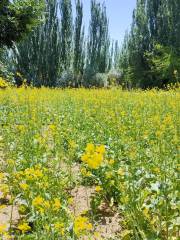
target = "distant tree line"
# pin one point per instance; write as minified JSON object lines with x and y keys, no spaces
{"x":17,"y":19}
{"x":54,"y":50}
{"x":58,"y":54}
{"x":150,"y":55}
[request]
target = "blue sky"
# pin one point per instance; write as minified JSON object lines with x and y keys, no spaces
{"x":119,"y":13}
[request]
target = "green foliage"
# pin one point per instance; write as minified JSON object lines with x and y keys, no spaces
{"x":132,"y":162}
{"x":98,"y":41}
{"x":66,"y":34}
{"x":17,"y":19}
{"x":38,"y":57}
{"x":78,"y":51}
{"x":116,"y":55}
{"x":163,"y":65}
{"x":150,"y":53}
{"x":5,"y":69}
{"x":58,"y":48}
{"x":55,"y":50}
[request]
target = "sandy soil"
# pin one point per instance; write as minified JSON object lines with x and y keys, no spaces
{"x":109,"y":223}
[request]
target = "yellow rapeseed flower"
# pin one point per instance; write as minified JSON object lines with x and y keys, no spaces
{"x":24,"y":186}
{"x":100,"y":149}
{"x":4,"y":189}
{"x":57,"y":204}
{"x":52,"y":127}
{"x":98,"y":188}
{"x":3,"y":228}
{"x":93,"y":156}
{"x":90,"y":147}
{"x":38,"y":201}
{"x":33,"y":174}
{"x":24,"y":227}
{"x":95,"y":161}
{"x":82,"y":225}
{"x":1,"y":176}
{"x":2,"y":206}
{"x":59,"y":227}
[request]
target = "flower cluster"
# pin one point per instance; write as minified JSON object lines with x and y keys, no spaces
{"x":3,"y":83}
{"x":93,"y":155}
{"x":42,"y":136}
{"x":24,"y":227}
{"x":82,"y":225}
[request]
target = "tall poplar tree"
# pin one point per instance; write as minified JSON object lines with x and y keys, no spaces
{"x":37,"y":58}
{"x":98,"y":39}
{"x":116,"y":55}
{"x":153,"y":46}
{"x":78,"y":52}
{"x":66,"y":34}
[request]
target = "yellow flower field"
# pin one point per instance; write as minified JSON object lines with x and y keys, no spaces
{"x":124,"y":144}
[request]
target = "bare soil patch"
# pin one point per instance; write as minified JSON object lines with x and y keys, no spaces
{"x":109,"y":223}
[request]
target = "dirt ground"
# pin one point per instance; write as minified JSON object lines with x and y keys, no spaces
{"x":109,"y":223}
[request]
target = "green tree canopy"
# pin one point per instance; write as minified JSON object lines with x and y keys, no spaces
{"x":151,"y":51}
{"x":17,"y":18}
